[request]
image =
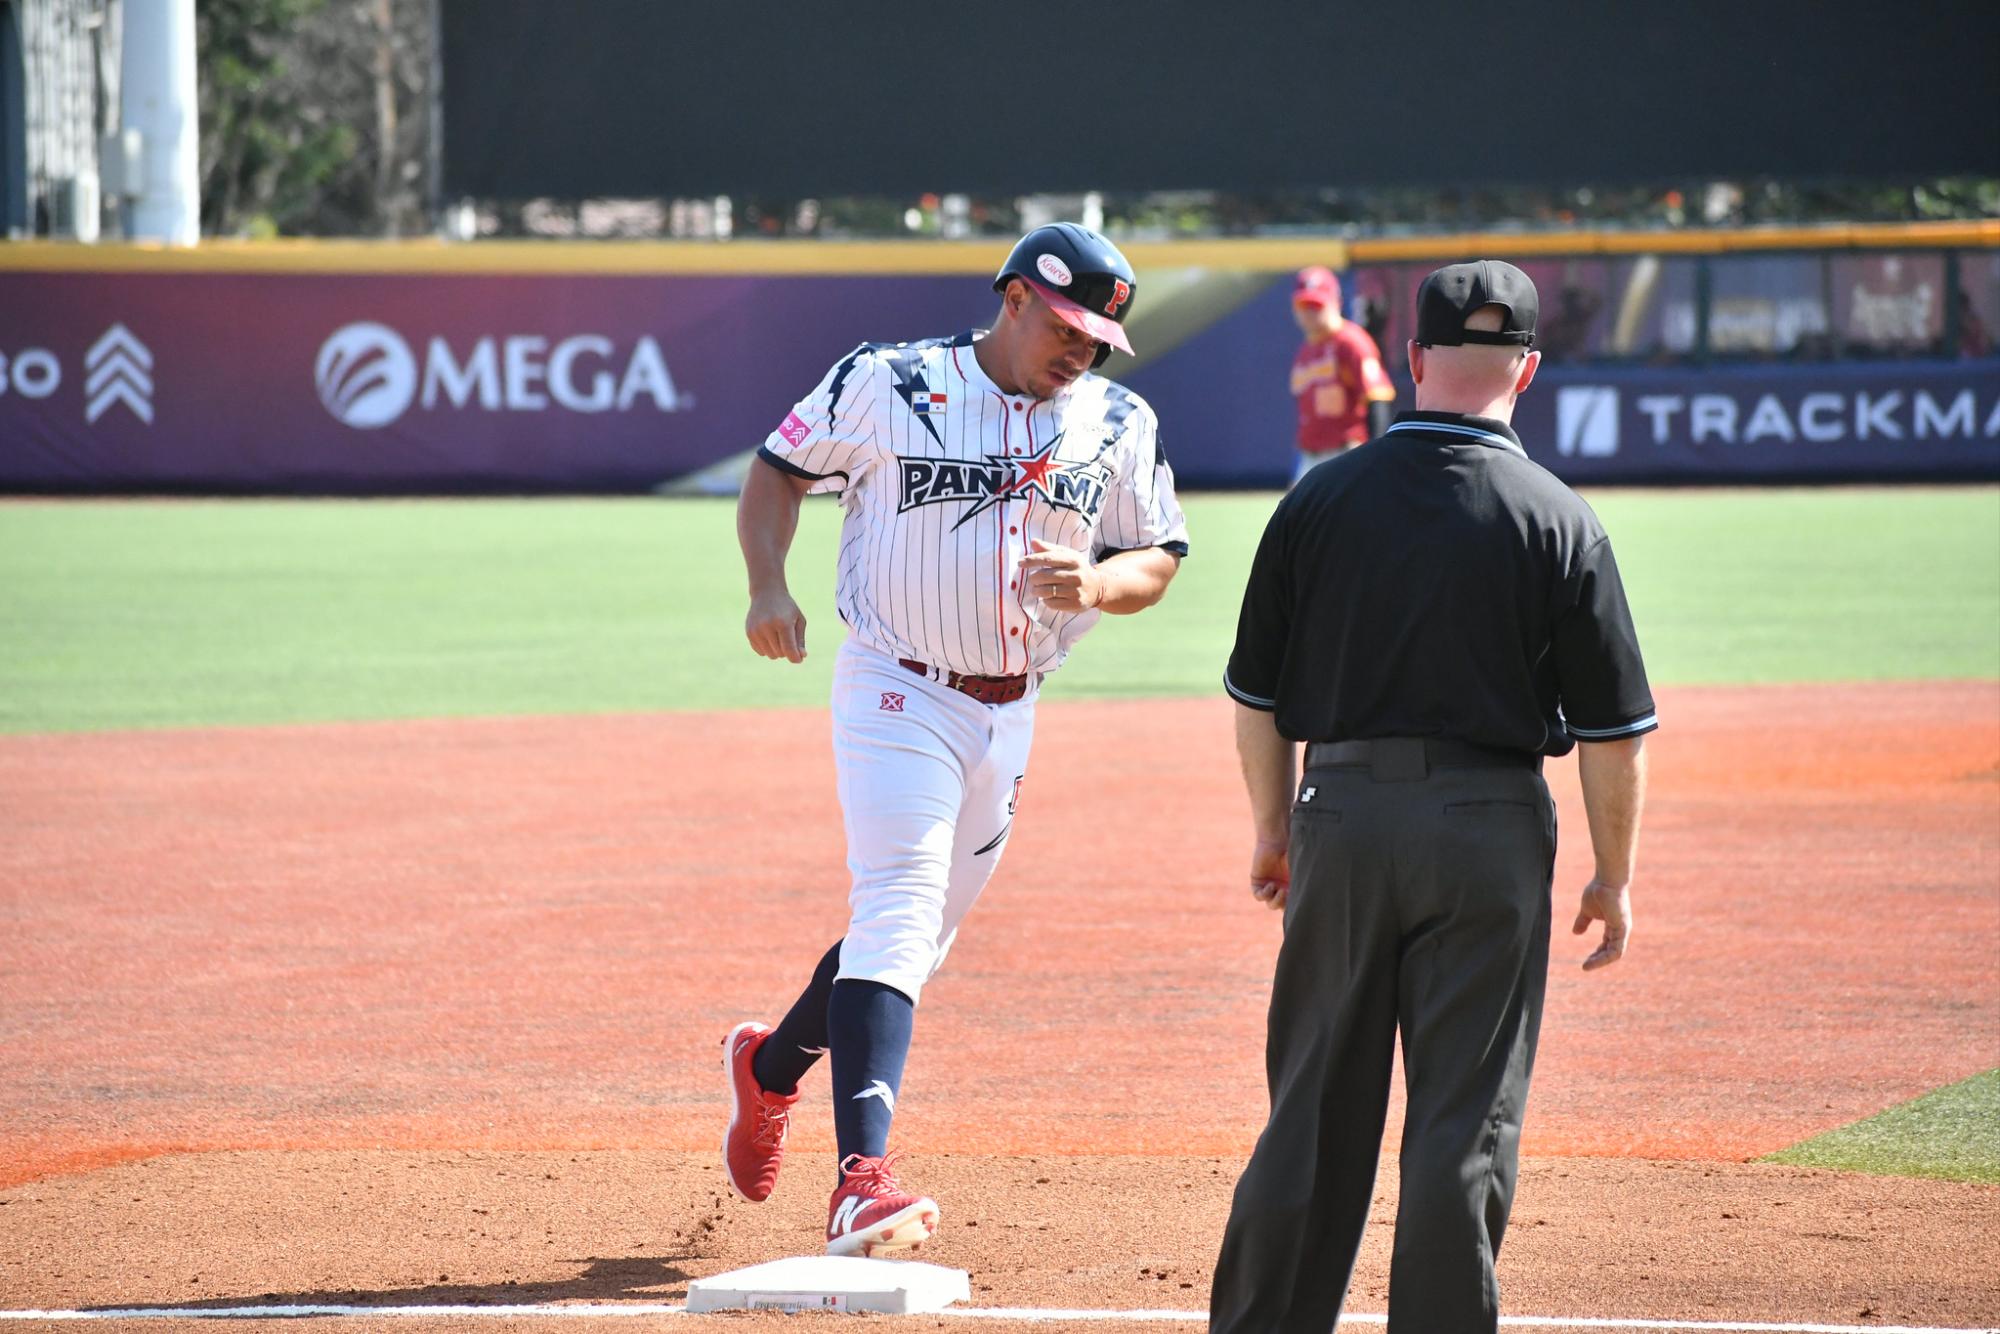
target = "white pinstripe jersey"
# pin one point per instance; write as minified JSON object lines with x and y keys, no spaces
{"x":945,"y":479}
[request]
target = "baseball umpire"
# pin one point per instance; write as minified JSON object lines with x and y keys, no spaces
{"x":999,"y":498}
{"x":1433,"y":615}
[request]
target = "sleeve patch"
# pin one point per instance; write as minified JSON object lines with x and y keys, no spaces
{"x":793,"y":430}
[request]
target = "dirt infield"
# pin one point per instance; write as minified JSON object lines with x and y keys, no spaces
{"x":528,"y":935}
{"x":1592,"y":1237}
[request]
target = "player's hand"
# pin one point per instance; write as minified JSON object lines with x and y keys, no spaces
{"x":1063,"y":579}
{"x":776,"y":627}
{"x":1611,"y":905}
{"x":1270,"y":873}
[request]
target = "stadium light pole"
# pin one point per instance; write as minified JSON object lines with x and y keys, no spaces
{"x":157,"y":98}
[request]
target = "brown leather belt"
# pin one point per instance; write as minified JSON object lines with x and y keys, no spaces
{"x":1408,"y":759}
{"x":985,"y":689}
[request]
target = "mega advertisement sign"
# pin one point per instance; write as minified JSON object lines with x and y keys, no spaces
{"x":373,"y":383}
{"x":383,"y":383}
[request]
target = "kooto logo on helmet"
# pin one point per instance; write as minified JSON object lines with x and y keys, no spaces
{"x":1054,"y":270}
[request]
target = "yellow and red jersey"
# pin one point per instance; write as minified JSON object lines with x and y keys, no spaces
{"x":1334,"y":379}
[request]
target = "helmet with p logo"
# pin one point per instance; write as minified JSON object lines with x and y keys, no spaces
{"x":1082,"y":277}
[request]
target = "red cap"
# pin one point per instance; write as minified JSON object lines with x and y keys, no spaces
{"x":1083,"y":320}
{"x":1316,"y":287}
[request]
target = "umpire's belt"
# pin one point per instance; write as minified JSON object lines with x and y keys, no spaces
{"x":985,"y":689}
{"x":1402,"y":759}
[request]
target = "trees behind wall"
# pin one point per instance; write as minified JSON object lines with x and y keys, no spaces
{"x":313,"y":116}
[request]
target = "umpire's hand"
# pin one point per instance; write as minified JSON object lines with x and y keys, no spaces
{"x":1611,"y":905}
{"x":1270,"y":873}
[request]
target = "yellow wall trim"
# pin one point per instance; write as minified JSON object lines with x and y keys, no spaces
{"x":1268,"y":254}
{"x":631,"y":257}
{"x":1981,"y":234}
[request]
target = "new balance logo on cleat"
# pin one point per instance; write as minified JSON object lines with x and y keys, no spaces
{"x":844,"y":1216}
{"x":871,"y":1214}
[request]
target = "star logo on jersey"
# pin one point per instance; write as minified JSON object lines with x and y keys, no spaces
{"x":1078,"y":487}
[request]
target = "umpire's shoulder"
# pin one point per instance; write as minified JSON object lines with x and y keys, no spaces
{"x":1552,"y":500}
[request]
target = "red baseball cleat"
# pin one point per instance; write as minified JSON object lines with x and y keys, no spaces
{"x":872,"y":1215}
{"x":754,"y":1147}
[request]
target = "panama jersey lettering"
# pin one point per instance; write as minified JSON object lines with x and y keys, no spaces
{"x":946,"y":480}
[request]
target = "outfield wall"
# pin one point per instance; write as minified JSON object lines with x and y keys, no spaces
{"x":416,"y":370}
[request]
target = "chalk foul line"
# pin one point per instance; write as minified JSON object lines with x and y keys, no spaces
{"x":599,"y":1310}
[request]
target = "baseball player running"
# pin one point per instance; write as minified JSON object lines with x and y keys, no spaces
{"x":999,"y":498}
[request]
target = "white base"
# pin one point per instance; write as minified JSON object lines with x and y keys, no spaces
{"x":832,"y":1283}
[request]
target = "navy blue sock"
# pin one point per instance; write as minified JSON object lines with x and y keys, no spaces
{"x":799,"y":1040}
{"x":868,"y":1026}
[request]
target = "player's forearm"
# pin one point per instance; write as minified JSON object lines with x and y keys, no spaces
{"x":1135,"y":580}
{"x":1613,"y":774}
{"x":1269,"y":773}
{"x":1381,"y":412}
{"x":767,"y":518}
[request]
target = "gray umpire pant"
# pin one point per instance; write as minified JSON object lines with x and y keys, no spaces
{"x":1419,"y":900}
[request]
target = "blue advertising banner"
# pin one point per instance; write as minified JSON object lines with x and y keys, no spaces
{"x":386,"y":383}
{"x":383,"y":383}
{"x":1897,"y":419}
{"x":1227,"y":417}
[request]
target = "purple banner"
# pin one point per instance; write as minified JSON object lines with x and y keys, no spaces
{"x":373,"y":383}
{"x":1227,"y":418}
{"x":1912,"y":419}
{"x":385,"y":383}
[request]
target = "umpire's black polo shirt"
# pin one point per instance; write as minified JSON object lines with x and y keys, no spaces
{"x":1437,"y":583}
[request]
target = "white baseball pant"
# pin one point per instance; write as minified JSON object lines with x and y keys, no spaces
{"x":928,"y":779}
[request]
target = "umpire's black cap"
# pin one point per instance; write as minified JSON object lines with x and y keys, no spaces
{"x":1456,"y":290}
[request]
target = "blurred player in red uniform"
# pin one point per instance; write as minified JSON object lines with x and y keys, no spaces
{"x":1337,"y":377}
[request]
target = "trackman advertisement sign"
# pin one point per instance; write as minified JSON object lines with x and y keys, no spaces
{"x":1914,"y":418}
{"x":385,"y":383}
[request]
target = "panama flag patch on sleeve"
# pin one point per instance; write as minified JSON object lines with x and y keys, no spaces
{"x":924,"y":402}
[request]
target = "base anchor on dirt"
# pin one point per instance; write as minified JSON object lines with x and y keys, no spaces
{"x":832,"y":1283}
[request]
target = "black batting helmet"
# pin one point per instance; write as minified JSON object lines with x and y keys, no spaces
{"x":1082,"y":276}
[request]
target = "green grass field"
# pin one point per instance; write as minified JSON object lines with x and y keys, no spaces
{"x":122,"y":614}
{"x":1952,"y":1133}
